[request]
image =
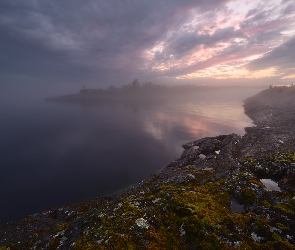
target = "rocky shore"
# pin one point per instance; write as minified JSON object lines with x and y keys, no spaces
{"x":224,"y":192}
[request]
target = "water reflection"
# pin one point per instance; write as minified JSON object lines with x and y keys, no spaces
{"x":270,"y":185}
{"x":54,"y":154}
{"x":237,"y":208}
{"x":199,"y":119}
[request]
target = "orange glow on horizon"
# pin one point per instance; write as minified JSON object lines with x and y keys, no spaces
{"x":228,"y":72}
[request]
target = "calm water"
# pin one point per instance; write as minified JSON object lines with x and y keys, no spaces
{"x":53,"y":154}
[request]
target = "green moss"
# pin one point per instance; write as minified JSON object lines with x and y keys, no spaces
{"x":262,"y":223}
{"x":286,"y":245}
{"x":192,"y":214}
{"x":61,"y":227}
{"x":265,"y":203}
{"x":286,"y":156}
{"x":281,"y":244}
{"x":131,"y":210}
{"x":200,"y":209}
{"x":247,"y":196}
{"x":285,"y":207}
{"x":84,"y":244}
{"x":249,"y":159}
{"x":282,"y":226}
{"x":210,"y":242}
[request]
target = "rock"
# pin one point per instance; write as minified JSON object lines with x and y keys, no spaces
{"x":142,"y":223}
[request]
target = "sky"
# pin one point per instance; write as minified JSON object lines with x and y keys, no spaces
{"x":102,"y":42}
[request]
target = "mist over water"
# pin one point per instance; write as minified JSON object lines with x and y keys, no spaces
{"x":53,"y":154}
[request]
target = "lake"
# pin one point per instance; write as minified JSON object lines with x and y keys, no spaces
{"x":54,"y":154}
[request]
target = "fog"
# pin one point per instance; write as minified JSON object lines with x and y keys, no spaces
{"x":76,"y":124}
{"x":59,"y":152}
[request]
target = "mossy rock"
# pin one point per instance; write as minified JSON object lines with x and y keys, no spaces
{"x":247,"y":196}
{"x":285,"y":207}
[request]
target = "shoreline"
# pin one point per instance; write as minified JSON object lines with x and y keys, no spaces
{"x":192,"y":202}
{"x":96,"y":96}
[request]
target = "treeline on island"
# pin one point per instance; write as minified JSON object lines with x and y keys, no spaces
{"x":135,"y":86}
{"x":143,"y":91}
{"x":149,"y":87}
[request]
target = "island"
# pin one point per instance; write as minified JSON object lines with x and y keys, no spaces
{"x":223,"y":192}
{"x":148,"y":91}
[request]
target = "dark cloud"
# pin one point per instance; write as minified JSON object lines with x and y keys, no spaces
{"x":237,"y":51}
{"x":252,"y":12}
{"x":110,"y":41}
{"x":182,"y":44}
{"x":281,"y":57}
{"x":233,"y":52}
{"x":87,"y":36}
{"x":261,"y":22}
{"x":261,"y":30}
{"x":290,"y":9}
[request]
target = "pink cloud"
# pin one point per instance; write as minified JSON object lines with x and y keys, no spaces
{"x":271,"y":25}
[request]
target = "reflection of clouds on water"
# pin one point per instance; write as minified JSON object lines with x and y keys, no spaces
{"x":198,"y":119}
{"x":154,"y":130}
{"x":92,"y":150}
{"x":227,"y":113}
{"x":270,"y":185}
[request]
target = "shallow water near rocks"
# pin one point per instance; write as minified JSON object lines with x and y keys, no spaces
{"x":270,"y":185}
{"x":236,"y":208}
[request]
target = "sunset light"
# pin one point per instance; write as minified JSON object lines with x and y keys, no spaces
{"x":117,"y":42}
{"x":147,"y":124}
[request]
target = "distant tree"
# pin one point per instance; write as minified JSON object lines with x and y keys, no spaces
{"x":147,"y":85}
{"x":135,"y":84}
{"x":124,"y":87}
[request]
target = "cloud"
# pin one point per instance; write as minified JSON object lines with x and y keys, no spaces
{"x":184,"y":43}
{"x":224,"y":42}
{"x":289,"y":9}
{"x":97,"y":35}
{"x":281,"y":58}
{"x":113,"y":42}
{"x":262,"y":21}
